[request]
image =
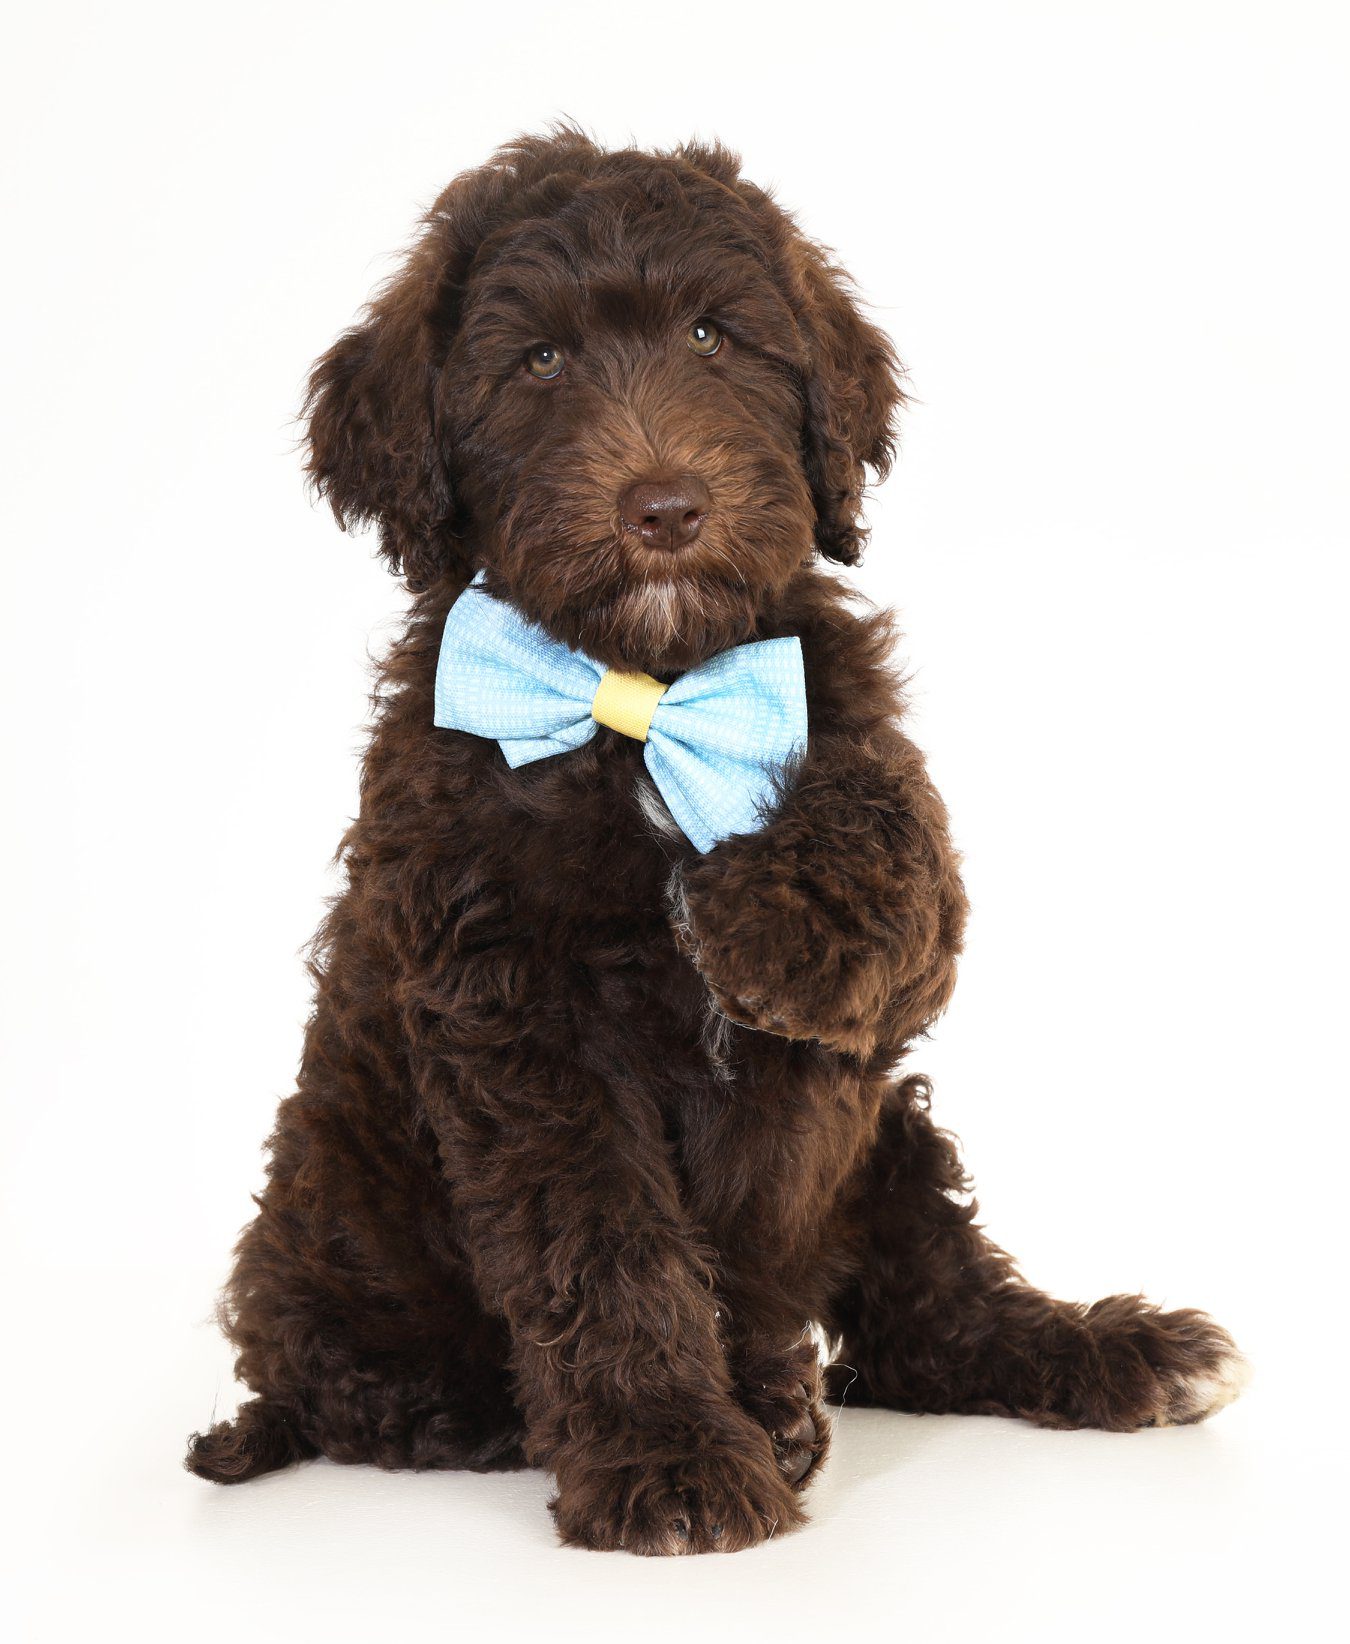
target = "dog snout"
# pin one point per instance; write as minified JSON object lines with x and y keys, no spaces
{"x":666,"y":513}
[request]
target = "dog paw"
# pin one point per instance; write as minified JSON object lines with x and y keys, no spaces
{"x":1143,"y":1367}
{"x":840,"y":1030}
{"x":816,"y":944}
{"x":1195,"y":1395}
{"x":780,"y":959}
{"x":710,"y":1501}
{"x":782,"y":1391}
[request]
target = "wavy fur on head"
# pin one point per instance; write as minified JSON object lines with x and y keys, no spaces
{"x":423,"y":421}
{"x":592,"y":1132}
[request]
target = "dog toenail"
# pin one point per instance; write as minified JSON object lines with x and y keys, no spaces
{"x":682,"y":1529}
{"x":797,"y":1464}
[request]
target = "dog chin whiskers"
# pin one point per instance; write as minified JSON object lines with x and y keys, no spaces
{"x":654,"y":612}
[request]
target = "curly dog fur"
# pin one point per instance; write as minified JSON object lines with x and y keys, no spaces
{"x":591,"y":1131}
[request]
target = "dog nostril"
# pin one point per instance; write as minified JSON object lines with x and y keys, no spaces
{"x":665,"y":513}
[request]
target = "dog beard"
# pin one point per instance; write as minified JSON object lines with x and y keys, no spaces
{"x":657,"y":617}
{"x":592,"y":596}
{"x":670,"y":623}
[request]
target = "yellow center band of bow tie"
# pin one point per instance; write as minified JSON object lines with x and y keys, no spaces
{"x":626,"y":702}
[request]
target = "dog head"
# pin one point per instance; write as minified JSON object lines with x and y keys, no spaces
{"x":623,"y":383}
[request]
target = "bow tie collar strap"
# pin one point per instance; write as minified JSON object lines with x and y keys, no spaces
{"x":627,"y":702}
{"x":716,"y":741}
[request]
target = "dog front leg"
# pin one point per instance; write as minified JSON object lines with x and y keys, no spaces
{"x":841,"y":919}
{"x":574,"y":1228}
{"x":764,"y":1158}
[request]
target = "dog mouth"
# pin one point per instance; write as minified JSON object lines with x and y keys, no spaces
{"x":672,"y":610}
{"x":706,"y":572}
{"x":639,"y":603}
{"x":706,"y":559}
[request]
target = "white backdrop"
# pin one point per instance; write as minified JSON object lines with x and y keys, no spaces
{"x":1110,"y":241}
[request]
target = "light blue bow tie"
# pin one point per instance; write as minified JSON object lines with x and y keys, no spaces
{"x":715,"y":741}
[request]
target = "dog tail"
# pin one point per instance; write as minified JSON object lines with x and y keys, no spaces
{"x":261,"y":1438}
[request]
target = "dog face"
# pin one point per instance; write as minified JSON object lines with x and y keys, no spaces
{"x":624,"y":375}
{"x":622,"y":383}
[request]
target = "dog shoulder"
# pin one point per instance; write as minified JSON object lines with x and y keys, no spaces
{"x":854,"y":683}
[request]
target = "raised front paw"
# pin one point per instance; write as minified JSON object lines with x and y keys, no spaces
{"x":685,"y":1496}
{"x":815,"y":944}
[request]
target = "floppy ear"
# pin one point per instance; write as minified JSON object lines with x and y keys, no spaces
{"x":852,"y":395}
{"x":373,"y":447}
{"x":851,"y":378}
{"x":376,"y":449}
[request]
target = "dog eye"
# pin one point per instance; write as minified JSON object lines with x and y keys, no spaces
{"x":544,"y":361}
{"x":704,"y":338}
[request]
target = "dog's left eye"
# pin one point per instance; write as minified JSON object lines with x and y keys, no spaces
{"x":544,"y":362}
{"x":704,"y":338}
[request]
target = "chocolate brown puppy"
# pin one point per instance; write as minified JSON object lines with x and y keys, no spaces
{"x":592,"y":1127}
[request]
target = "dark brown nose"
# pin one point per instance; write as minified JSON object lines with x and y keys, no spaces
{"x":666,"y":513}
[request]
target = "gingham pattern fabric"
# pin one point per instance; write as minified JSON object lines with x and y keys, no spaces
{"x":718,"y":738}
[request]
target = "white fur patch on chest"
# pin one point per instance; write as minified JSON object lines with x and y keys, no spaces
{"x":655,"y":810}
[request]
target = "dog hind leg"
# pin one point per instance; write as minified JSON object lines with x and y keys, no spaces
{"x":262,"y":1437}
{"x":448,"y":1406}
{"x":354,"y":1319}
{"x":937,"y":1318}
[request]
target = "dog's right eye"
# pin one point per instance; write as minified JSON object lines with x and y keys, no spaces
{"x":704,"y":338}
{"x":544,"y":361}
